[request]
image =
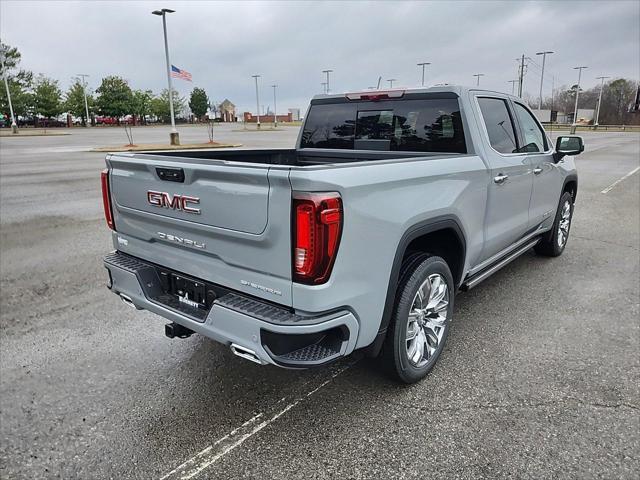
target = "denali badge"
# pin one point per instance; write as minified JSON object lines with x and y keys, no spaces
{"x":174,"y":202}
{"x":181,"y":240}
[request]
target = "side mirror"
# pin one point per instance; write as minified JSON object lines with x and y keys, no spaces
{"x":569,"y":145}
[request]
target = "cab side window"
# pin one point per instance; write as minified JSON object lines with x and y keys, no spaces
{"x":534,"y":138}
{"x":499,"y":125}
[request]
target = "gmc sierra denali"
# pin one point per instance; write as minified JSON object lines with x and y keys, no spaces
{"x":359,"y":238}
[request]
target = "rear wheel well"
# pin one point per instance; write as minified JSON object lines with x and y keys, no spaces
{"x":442,"y":237}
{"x":572,"y":187}
{"x":444,"y":243}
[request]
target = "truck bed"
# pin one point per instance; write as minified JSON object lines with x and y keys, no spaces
{"x":286,"y":157}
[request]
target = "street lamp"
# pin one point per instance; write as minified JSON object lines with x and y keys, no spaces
{"x":327,"y":72}
{"x":575,"y":109}
{"x":478,"y":75}
{"x":324,"y":87}
{"x":275,"y":108}
{"x":257,"y":98}
{"x":174,"y":138}
{"x":513,"y":86}
{"x":84,"y":89}
{"x":14,"y":125}
{"x":423,"y":64}
{"x":391,"y":80}
{"x":544,"y":57}
{"x":600,"y":98}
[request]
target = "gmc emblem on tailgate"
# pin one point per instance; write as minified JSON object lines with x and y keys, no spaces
{"x":174,"y":202}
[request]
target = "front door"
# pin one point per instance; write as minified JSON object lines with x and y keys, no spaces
{"x":511,"y":182}
{"x":547,"y":179}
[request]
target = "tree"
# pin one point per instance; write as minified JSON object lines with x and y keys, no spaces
{"x":115,"y":98}
{"x":47,"y":97}
{"x":20,"y":84}
{"x":199,"y":102}
{"x":74,"y":101}
{"x":142,"y":103}
{"x":160,"y":105}
{"x":11,"y":56}
{"x":616,"y":97}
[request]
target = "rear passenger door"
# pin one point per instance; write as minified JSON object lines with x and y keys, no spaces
{"x":510,"y":185}
{"x":547,"y":179}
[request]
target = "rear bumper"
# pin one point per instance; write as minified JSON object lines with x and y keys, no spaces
{"x":274,"y":334}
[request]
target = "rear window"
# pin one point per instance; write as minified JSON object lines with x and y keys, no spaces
{"x":428,"y":125}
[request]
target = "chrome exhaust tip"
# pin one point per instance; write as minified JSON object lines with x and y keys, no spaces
{"x":127,"y":301}
{"x":246,"y":353}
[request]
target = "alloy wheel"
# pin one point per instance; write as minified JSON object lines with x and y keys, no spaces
{"x":565,"y":221}
{"x":427,"y":320}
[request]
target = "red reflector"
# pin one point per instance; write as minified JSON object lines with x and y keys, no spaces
{"x":317,"y":226}
{"x":106,"y":199}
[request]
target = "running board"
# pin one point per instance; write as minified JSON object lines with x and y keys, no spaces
{"x":474,"y":280}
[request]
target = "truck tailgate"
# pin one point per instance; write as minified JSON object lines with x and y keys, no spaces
{"x":224,"y":222}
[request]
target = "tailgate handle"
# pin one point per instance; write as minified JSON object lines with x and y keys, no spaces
{"x":171,"y":174}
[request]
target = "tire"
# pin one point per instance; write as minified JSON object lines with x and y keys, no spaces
{"x":413,"y":345}
{"x":554,"y":242}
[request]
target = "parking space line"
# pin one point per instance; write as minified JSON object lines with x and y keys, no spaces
{"x":610,"y":187}
{"x":226,"y":444}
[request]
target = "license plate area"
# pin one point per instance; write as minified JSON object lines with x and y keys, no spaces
{"x":186,"y":290}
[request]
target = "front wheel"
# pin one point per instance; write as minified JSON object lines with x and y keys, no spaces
{"x":421,"y":318}
{"x":552,"y":243}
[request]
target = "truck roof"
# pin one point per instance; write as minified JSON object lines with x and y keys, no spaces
{"x":457,"y":89}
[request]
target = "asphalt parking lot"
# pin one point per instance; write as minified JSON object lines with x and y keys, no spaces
{"x":540,"y":377}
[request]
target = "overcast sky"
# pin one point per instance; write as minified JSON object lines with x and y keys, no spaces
{"x":290,"y":43}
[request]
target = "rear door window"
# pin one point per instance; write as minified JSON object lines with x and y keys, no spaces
{"x":497,"y":120}
{"x":427,"y":125}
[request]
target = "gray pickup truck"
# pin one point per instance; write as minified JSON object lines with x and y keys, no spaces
{"x":359,"y":238}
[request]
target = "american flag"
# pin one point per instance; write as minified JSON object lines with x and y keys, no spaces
{"x":177,"y":73}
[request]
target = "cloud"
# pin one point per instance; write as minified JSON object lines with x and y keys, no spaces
{"x":289,"y":43}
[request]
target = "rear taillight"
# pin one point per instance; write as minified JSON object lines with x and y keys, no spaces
{"x":106,"y":199}
{"x":317,"y":224}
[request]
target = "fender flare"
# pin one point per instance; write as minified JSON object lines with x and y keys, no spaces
{"x":422,"y":228}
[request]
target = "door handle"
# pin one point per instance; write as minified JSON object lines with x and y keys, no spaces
{"x":537,"y":170}
{"x":500,"y":179}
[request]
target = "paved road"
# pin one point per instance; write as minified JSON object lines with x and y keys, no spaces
{"x":540,"y":377}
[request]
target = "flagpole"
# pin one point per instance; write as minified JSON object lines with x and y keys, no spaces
{"x":173,"y":136}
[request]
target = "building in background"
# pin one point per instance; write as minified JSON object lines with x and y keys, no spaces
{"x":251,"y":118}
{"x":295,"y":114}
{"x":227,"y":111}
{"x":585,"y":116}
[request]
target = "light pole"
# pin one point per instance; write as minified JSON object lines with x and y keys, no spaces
{"x":423,"y":64}
{"x":391,"y":80}
{"x":544,"y":57}
{"x":327,"y":72}
{"x":575,"y":109}
{"x":513,"y":86}
{"x":256,"y":77}
{"x":478,"y":75}
{"x":275,"y":108}
{"x":14,"y":125}
{"x":174,"y":138}
{"x":84,"y":89}
{"x":324,"y":87}
{"x":600,"y":98}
